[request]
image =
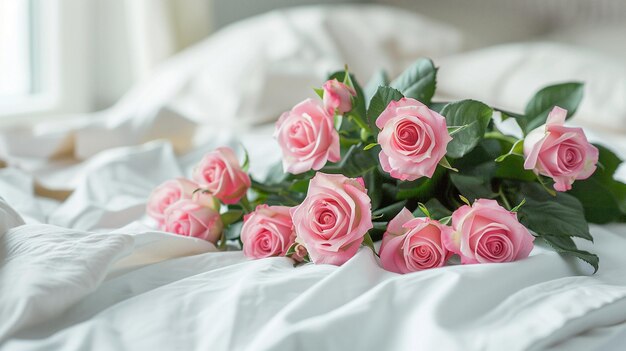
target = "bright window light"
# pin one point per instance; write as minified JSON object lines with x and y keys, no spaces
{"x":16,"y":74}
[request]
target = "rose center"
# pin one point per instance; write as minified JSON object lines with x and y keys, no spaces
{"x":495,"y":246}
{"x":265,"y":243}
{"x":410,"y":138}
{"x":571,"y":156}
{"x":423,"y":256}
{"x":300,"y":134}
{"x":408,"y":135}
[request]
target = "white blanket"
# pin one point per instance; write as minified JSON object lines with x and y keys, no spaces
{"x":134,"y":288}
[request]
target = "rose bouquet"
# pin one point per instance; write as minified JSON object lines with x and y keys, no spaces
{"x":431,"y":179}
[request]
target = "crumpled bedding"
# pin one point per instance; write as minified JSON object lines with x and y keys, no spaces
{"x":136,"y":288}
{"x":83,"y":268}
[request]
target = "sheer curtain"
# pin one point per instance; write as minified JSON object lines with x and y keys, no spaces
{"x":159,"y":28}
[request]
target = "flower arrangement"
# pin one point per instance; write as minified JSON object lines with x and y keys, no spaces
{"x":431,"y":179}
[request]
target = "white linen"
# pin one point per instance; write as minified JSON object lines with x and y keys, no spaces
{"x":73,"y":290}
{"x":133,"y":288}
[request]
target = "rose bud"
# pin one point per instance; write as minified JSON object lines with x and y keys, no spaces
{"x":559,"y":152}
{"x":166,"y":194}
{"x":219,"y":173}
{"x":268,"y":231}
{"x":412,"y":244}
{"x":486,"y":232}
{"x":413,"y":139}
{"x":299,"y":253}
{"x":307,"y":137}
{"x":189,"y":218}
{"x":337,"y":97}
{"x":333,"y":218}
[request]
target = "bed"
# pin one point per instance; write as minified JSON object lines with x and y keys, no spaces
{"x":81,"y":267}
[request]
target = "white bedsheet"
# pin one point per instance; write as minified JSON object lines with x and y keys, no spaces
{"x":134,"y":288}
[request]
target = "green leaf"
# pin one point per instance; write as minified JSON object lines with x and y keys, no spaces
{"x":418,"y":81}
{"x":423,"y":208}
{"x":480,"y":160}
{"x":437,"y":106}
{"x":476,"y":116}
{"x":565,"y":245}
{"x":246,"y":161}
{"x":465,"y":200}
{"x":319,"y":92}
{"x":603,"y":197}
{"x":436,"y":209}
{"x":445,"y":220}
{"x":445,"y":164}
{"x":565,"y":95}
{"x":421,"y":189}
{"x":472,"y":187}
{"x":516,"y":208}
{"x":560,"y":215}
{"x":355,"y":163}
{"x":516,"y":150}
{"x":231,"y":216}
{"x":233,"y":231}
{"x":377,"y":232}
{"x":369,"y":146}
{"x":368,"y":242}
{"x":338,"y":122}
{"x":378,"y":103}
{"x":373,"y":182}
{"x":291,"y":250}
{"x":454,"y":130}
{"x":389,"y":212}
{"x":513,"y":168}
{"x":379,"y":78}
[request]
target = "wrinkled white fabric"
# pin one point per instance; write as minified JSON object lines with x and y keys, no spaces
{"x":72,"y":290}
{"x":133,"y":288}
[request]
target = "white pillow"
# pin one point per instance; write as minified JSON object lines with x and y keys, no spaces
{"x":252,"y":71}
{"x":507,"y":76}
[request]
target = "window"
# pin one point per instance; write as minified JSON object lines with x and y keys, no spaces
{"x":16,"y":50}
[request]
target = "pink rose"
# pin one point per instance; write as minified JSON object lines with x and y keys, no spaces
{"x":299,"y":253}
{"x":166,"y":194}
{"x":268,"y":231}
{"x":219,"y":172}
{"x":334,"y":218}
{"x":413,"y":139}
{"x":559,"y":152}
{"x":486,"y":232}
{"x":412,"y":244}
{"x":307,"y":137}
{"x":337,"y":97}
{"x":190,"y":218}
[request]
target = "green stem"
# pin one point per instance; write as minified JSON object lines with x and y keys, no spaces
{"x":222,"y":244}
{"x":508,"y":113}
{"x":500,"y":136}
{"x":264,"y":188}
{"x":367,"y":241}
{"x":545,"y":186}
{"x":359,"y":122}
{"x":245,"y":204}
{"x":504,"y":199}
